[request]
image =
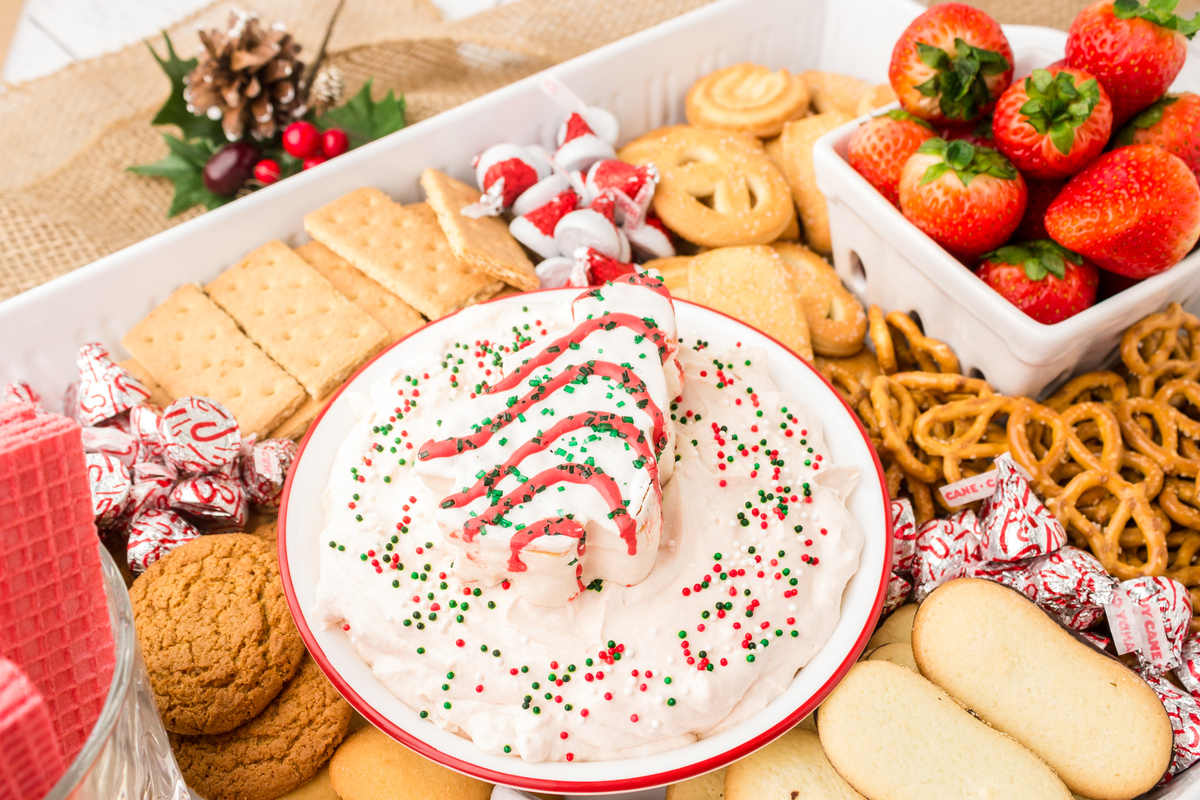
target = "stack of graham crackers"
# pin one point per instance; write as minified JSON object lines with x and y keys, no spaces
{"x":274,"y":336}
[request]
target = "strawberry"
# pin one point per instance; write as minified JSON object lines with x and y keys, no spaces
{"x":1135,"y":51}
{"x":1134,"y":211}
{"x":1041,"y":195}
{"x":967,"y":199}
{"x":1172,"y":123}
{"x":879,"y":148}
{"x":979,"y":134}
{"x":950,"y":64}
{"x":1053,"y":123}
{"x":1046,"y":281}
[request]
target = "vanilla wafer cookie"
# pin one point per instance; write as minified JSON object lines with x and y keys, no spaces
{"x":747,"y":97}
{"x":402,"y":248}
{"x":709,"y":786}
{"x":296,"y":316}
{"x":792,"y":765}
{"x":395,"y":315}
{"x":484,"y":243}
{"x":191,"y":346}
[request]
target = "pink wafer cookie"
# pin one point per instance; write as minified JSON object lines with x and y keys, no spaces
{"x":31,"y":760}
{"x":53,"y":610}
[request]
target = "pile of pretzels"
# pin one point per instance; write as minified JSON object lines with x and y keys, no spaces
{"x":1115,"y":454}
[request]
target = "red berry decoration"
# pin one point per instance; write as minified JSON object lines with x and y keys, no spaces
{"x":1046,"y":281}
{"x":267,"y":171}
{"x":334,"y":142}
{"x":229,"y":168}
{"x":313,"y":161}
{"x":301,"y":139}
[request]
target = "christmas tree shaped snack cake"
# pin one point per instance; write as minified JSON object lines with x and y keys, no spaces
{"x":554,"y":476}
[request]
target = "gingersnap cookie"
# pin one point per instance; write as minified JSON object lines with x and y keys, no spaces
{"x":272,"y":754}
{"x":216,"y":633}
{"x":716,"y":188}
{"x":748,"y":98}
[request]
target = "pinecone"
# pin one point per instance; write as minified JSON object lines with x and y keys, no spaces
{"x":327,"y":89}
{"x":248,"y":78}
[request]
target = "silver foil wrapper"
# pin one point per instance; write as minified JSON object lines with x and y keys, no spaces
{"x":904,"y":536}
{"x":264,"y":470}
{"x":199,"y":436}
{"x":216,"y":502}
{"x":19,"y":392}
{"x":1184,"y":712}
{"x":111,"y":442}
{"x":155,"y":533}
{"x":1170,"y":601}
{"x":1073,"y":586}
{"x":945,"y":550}
{"x":1013,"y":522}
{"x":105,"y":389}
{"x":110,"y":485}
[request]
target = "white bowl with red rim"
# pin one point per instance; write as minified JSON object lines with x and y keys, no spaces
{"x":301,"y":521}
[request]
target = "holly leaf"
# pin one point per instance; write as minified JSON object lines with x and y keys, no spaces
{"x":363,"y":119}
{"x":184,"y":167}
{"x":175,"y":110}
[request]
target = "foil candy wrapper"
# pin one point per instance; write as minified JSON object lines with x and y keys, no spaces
{"x":199,"y":435}
{"x":147,"y":494}
{"x":904,"y":536}
{"x":1095,"y":640}
{"x":215,"y":501}
{"x":1013,"y":522}
{"x":19,"y":392}
{"x":264,"y":470}
{"x":945,"y":550}
{"x":1188,"y":671}
{"x":1157,"y":625}
{"x":144,"y":423}
{"x":110,"y":484}
{"x":898,"y":590}
{"x":1184,"y":713}
{"x":111,"y":442}
{"x":105,"y":389}
{"x":1072,"y":585}
{"x":155,"y":533}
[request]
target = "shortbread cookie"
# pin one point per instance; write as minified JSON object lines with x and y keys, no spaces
{"x":1098,"y":724}
{"x":749,"y":98}
{"x":794,"y":765}
{"x":716,"y":188}
{"x":797,"y":139}
{"x":877,"y":96}
{"x":896,"y":628}
{"x":863,"y":365}
{"x":674,"y":274}
{"x":833,"y":91}
{"x":216,"y":633}
{"x":837,"y":322}
{"x":395,"y":315}
{"x":483,"y":243}
{"x":158,"y":395}
{"x":402,"y":248}
{"x":710,"y":786}
{"x":279,"y":750}
{"x":892,"y":734}
{"x":191,"y":346}
{"x":370,"y":765}
{"x":752,"y":284}
{"x":896,"y":652}
{"x":296,"y":316}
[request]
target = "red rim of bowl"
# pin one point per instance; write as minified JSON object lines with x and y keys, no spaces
{"x":583,"y":787}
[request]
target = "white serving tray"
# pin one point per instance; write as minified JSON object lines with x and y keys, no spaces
{"x":642,"y":79}
{"x":885,"y":259}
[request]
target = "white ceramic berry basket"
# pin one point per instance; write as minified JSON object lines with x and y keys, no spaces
{"x":301,"y":525}
{"x":642,"y":79}
{"x":885,"y":259}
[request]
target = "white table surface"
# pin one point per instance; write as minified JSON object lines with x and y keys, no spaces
{"x":53,"y":34}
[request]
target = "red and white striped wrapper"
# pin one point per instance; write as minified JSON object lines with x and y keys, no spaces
{"x":898,"y":590}
{"x":946,"y":548}
{"x":1150,"y":617}
{"x":1013,"y":522}
{"x":904,"y":536}
{"x":199,"y":435}
{"x":144,"y":426}
{"x":1184,"y":712}
{"x":1096,"y":640}
{"x":1188,"y":671}
{"x":110,"y":484}
{"x":19,"y":392}
{"x":217,"y":502}
{"x":265,"y":469}
{"x":153,"y":534}
{"x":105,"y":389}
{"x":147,"y":494}
{"x":112,"y":442}
{"x":1072,"y":585}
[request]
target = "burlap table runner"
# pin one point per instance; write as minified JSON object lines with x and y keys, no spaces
{"x":65,"y":199}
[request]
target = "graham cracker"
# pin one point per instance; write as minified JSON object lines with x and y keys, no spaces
{"x":158,"y":395}
{"x":484,"y":243}
{"x":190,"y":346}
{"x":297,"y":424}
{"x":402,"y":248}
{"x":395,"y":315}
{"x":296,"y":316}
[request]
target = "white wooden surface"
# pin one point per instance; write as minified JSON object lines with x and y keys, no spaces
{"x":54,"y":33}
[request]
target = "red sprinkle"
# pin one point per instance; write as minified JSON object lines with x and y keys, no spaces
{"x":459,"y":642}
{"x":633,"y":717}
{"x":562,"y":735}
{"x":479,"y":688}
{"x":570,"y":756}
{"x":608,"y":695}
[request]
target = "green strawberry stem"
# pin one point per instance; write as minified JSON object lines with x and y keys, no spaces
{"x":1160,"y":12}
{"x":900,"y":115}
{"x":1057,"y":106}
{"x":1146,"y":118}
{"x":1040,"y":257}
{"x":965,"y":160}
{"x":959,"y":79}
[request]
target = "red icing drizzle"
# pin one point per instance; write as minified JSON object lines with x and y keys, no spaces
{"x":546,"y":217}
{"x":547,"y":527}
